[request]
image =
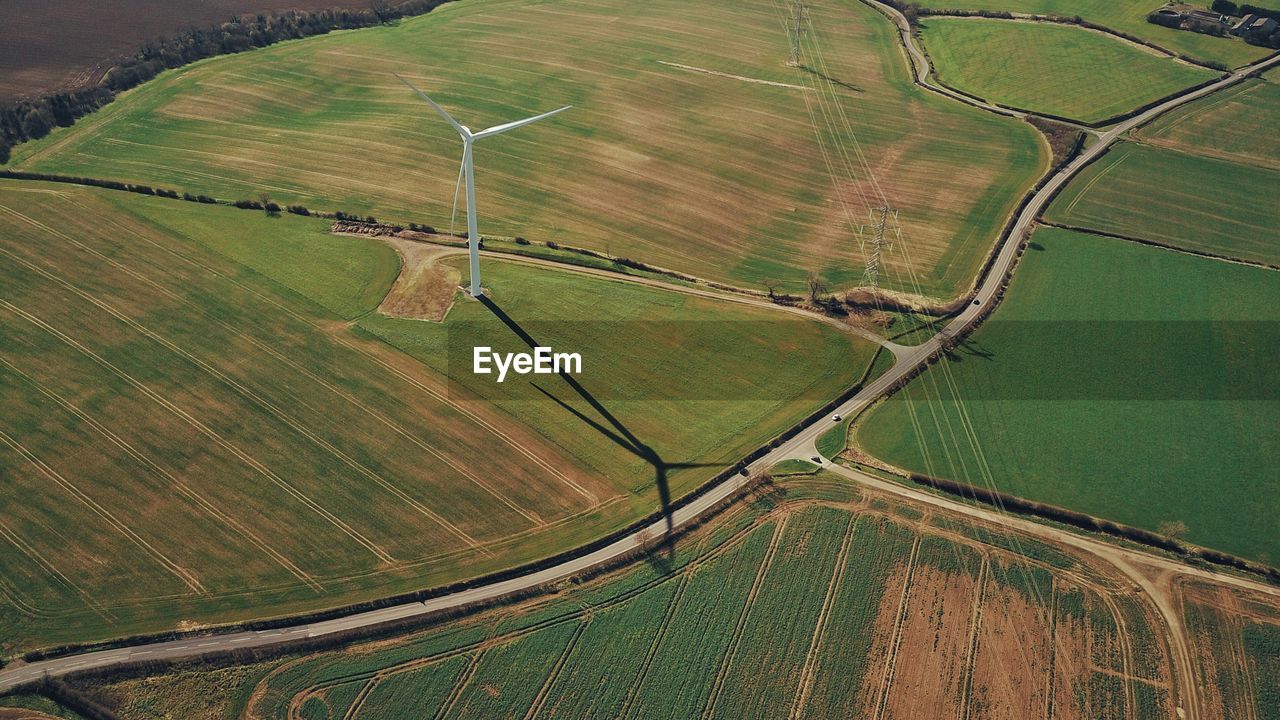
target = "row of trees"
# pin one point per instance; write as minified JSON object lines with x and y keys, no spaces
{"x":30,"y":119}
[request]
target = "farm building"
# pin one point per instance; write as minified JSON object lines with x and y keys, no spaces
{"x":1255,"y":25}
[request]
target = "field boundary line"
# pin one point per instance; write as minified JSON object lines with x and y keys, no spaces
{"x":1160,"y":244}
{"x":824,"y":615}
{"x":197,"y":424}
{"x":975,"y":628}
{"x":890,"y":660}
{"x":202,"y":502}
{"x":732,"y":649}
{"x":652,"y":653}
{"x":545,"y":690}
{"x":181,"y":573}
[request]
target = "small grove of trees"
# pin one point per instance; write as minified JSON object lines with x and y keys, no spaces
{"x":1173,"y":529}
{"x":31,"y":119}
{"x":911,"y":11}
{"x":1226,"y":7}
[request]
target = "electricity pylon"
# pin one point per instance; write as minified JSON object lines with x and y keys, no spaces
{"x":799,"y":26}
{"x":880,"y":217}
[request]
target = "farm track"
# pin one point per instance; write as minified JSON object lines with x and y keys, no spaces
{"x":740,"y":298}
{"x":801,"y":445}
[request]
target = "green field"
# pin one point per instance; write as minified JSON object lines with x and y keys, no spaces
{"x":714,"y":175}
{"x":1054,"y":69}
{"x":1190,"y":201}
{"x":1236,"y":124}
{"x":1072,"y":390}
{"x":659,"y":397}
{"x":1128,"y":16}
{"x":198,"y":421}
{"x":772,"y":609}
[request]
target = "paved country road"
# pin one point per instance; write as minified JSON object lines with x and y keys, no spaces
{"x":802,"y":445}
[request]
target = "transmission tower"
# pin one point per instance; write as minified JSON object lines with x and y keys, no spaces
{"x":799,"y":26}
{"x":881,"y":219}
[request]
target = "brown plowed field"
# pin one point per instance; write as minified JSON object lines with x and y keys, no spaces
{"x":51,"y":44}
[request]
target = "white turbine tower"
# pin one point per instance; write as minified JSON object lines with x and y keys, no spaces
{"x":468,"y":139}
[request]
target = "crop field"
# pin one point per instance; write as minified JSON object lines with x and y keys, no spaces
{"x":1056,"y":69}
{"x":1236,"y":641}
{"x":802,"y":608}
{"x":195,"y":426}
{"x":51,"y":44}
{"x":691,"y":144}
{"x":1190,"y":201}
{"x":1233,"y":124}
{"x":1127,"y":16}
{"x":1121,"y":380}
{"x":663,"y":418}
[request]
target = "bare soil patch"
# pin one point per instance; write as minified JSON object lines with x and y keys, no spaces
{"x":929,"y":674}
{"x":426,"y":288}
{"x":1014,"y":648}
{"x":55,"y":44}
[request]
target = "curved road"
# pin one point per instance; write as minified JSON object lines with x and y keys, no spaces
{"x":802,"y":445}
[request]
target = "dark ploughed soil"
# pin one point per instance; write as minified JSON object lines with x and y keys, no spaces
{"x":51,"y":44}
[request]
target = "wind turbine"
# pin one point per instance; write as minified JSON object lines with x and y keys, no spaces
{"x":468,"y":140}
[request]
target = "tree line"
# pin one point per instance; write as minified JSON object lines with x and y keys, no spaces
{"x":31,"y":119}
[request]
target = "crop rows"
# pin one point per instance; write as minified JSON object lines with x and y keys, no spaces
{"x":762,"y":676}
{"x":1262,"y":647}
{"x":879,"y":548}
{"x":815,"y":611}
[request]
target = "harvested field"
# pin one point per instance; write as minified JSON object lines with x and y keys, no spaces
{"x":1126,"y":16}
{"x":811,"y":608}
{"x":1049,"y":68}
{"x":192,"y":429}
{"x":735,"y":181}
{"x":1153,"y":416}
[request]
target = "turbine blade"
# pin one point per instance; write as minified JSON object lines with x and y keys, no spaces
{"x":517,"y":123}
{"x":456,"y":126}
{"x":456,"y":187}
